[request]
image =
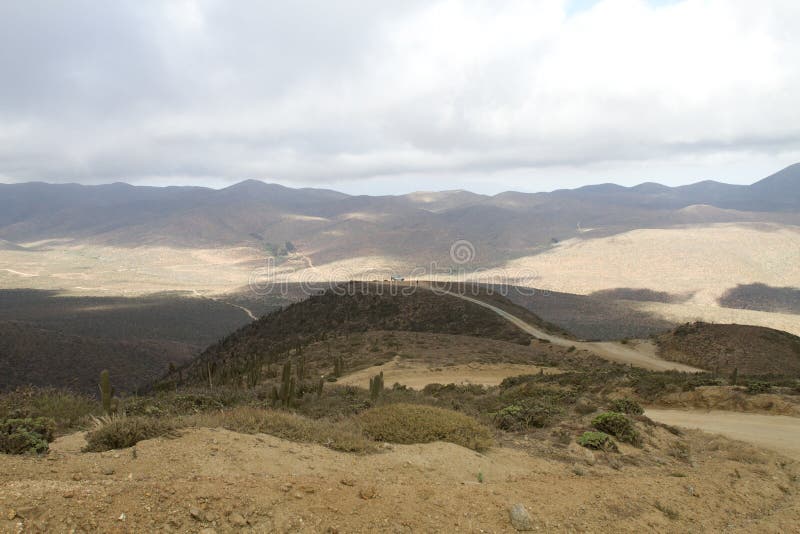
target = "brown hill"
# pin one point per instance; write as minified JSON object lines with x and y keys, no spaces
{"x":39,"y":357}
{"x":753,"y":350}
{"x":350,"y":308}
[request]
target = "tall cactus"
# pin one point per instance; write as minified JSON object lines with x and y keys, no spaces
{"x":106,"y":391}
{"x":376,"y":386}
{"x":301,"y":368}
{"x":320,"y":385}
{"x":287,"y":384}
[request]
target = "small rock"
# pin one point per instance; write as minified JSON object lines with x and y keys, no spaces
{"x":210,"y":516}
{"x":347,"y":482}
{"x":237,"y":520}
{"x":368,"y":493}
{"x":77,"y":477}
{"x":68,"y":494}
{"x":520,"y":518}
{"x":208,"y":531}
{"x":11,"y":515}
{"x":109,"y":471}
{"x":122,"y":516}
{"x":297,"y":495}
{"x":286,"y":488}
{"x":196,"y":513}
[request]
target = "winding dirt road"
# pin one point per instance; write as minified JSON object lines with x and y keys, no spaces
{"x":637,"y":353}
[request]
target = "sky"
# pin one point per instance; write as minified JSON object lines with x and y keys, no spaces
{"x":382,"y":97}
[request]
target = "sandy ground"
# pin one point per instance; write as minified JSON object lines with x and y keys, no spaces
{"x":777,"y":432}
{"x":227,"y":482}
{"x":417,"y":375}
{"x":638,"y":353}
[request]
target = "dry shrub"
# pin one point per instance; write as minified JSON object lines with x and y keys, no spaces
{"x":416,"y":423}
{"x":341,"y":436}
{"x":121,"y":432}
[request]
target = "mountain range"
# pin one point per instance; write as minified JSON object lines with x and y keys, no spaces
{"x":328,"y":226}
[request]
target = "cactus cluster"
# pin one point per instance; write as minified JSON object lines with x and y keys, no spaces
{"x":285,"y":395}
{"x":376,"y":386}
{"x":338,"y":366}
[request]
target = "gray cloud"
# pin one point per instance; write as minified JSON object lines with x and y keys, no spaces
{"x":522,"y":93}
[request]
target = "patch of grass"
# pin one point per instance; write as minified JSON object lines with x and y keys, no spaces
{"x":121,"y":432}
{"x":598,"y":441}
{"x":28,"y":435}
{"x":340,"y":436}
{"x":671,"y":513}
{"x":619,"y":426}
{"x":415,"y":423}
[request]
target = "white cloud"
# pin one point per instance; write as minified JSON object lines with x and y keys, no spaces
{"x":495,"y":94}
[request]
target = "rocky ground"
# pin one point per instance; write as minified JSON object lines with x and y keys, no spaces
{"x":209,"y":480}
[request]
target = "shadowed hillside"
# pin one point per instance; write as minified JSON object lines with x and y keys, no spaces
{"x":38,"y":357}
{"x":753,"y":350}
{"x":358,"y":307}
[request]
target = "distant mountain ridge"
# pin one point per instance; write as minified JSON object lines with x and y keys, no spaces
{"x":327,"y":225}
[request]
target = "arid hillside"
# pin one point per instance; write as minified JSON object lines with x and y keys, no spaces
{"x":752,"y":350}
{"x":38,"y":357}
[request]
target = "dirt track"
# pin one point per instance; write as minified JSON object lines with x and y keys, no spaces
{"x":639,"y":353}
{"x":776,"y":432}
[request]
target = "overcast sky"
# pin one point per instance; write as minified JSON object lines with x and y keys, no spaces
{"x":391,"y":96}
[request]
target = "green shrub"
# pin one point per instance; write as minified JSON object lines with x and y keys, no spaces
{"x":597,"y":440}
{"x":341,"y":436}
{"x":416,"y":423}
{"x":626,"y":406}
{"x":26,"y":435}
{"x":67,"y":409}
{"x":755,"y":387}
{"x":121,"y":432}
{"x":528,"y":413}
{"x":619,"y":426}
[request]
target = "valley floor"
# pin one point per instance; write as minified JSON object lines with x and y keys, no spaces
{"x":224,"y":481}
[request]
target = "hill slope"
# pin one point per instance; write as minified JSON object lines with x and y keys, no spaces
{"x":356,"y":308}
{"x":754,"y":350}
{"x":39,"y":357}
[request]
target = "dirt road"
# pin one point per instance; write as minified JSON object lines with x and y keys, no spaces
{"x":637,"y":353}
{"x":779,"y":433}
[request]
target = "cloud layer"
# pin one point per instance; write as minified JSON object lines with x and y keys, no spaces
{"x":533,"y":94}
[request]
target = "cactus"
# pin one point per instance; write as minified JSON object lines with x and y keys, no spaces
{"x":376,"y":386}
{"x":287,"y":390}
{"x":320,"y":385}
{"x":338,"y":366}
{"x":106,"y":391}
{"x":274,"y":396}
{"x":301,"y":368}
{"x":735,"y":376}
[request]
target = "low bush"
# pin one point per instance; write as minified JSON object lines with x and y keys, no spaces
{"x":619,"y":426}
{"x":124,"y":431}
{"x":68,"y":410}
{"x":26,"y":435}
{"x":341,"y":436}
{"x":416,"y":423}
{"x":626,"y":406}
{"x":756,"y":387}
{"x":598,"y":441}
{"x":528,"y":413}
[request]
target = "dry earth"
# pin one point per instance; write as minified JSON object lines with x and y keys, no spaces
{"x":218,"y":481}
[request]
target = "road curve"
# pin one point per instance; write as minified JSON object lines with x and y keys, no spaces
{"x":776,"y":432}
{"x":639,"y":354}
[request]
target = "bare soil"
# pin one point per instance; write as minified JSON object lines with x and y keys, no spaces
{"x":224,"y":481}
